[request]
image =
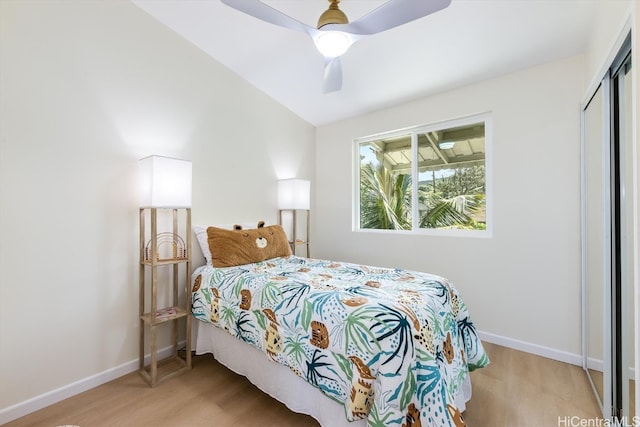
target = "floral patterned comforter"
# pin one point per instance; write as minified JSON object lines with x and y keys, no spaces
{"x":393,"y":346}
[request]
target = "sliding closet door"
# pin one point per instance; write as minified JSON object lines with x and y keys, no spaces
{"x":595,"y":242}
{"x":622,"y":162}
{"x":607,"y":239}
{"x":629,"y":325}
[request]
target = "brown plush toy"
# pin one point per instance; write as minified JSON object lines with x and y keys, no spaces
{"x":238,"y":247}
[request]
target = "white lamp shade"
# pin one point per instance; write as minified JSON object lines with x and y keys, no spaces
{"x":165,"y":182}
{"x":294,"y":194}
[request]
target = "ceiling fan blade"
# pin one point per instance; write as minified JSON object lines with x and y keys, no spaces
{"x":392,"y":14}
{"x":264,"y":12}
{"x":332,"y":81}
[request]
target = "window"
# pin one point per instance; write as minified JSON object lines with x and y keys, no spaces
{"x":448,"y":161}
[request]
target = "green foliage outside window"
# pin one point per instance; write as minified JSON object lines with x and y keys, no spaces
{"x":457,"y":201}
{"x":451,"y":188}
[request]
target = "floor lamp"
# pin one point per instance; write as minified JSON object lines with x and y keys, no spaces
{"x":294,"y":195}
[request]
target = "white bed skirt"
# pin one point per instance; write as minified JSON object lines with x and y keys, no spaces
{"x":280,"y":382}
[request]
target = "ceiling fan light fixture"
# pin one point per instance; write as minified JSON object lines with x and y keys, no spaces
{"x":334,"y":34}
{"x":332,"y":43}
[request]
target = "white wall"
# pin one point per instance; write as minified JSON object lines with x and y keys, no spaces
{"x":524,"y":282}
{"x":88,"y":88}
{"x":610,"y":20}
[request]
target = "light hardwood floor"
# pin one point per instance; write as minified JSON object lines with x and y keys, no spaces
{"x":516,"y":390}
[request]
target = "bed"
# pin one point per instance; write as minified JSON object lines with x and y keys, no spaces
{"x":349,"y":344}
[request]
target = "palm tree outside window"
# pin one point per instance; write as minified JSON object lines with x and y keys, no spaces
{"x":448,"y":161}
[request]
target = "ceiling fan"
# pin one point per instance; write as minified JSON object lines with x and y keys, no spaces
{"x":334,"y":33}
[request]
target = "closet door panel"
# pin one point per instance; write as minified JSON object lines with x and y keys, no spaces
{"x":627,"y":231}
{"x":596,"y":259}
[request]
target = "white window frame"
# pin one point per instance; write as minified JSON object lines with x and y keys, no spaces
{"x":414,"y":131}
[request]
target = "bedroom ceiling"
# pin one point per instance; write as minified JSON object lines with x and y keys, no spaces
{"x":470,"y":41}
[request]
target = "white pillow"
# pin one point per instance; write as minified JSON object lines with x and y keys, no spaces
{"x":201,"y":236}
{"x":203,"y":240}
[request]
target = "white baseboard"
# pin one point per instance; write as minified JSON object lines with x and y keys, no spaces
{"x":28,"y":406}
{"x":595,"y":364}
{"x":539,"y":350}
{"x":550,"y":353}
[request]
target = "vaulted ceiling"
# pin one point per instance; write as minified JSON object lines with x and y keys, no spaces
{"x":470,"y":41}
